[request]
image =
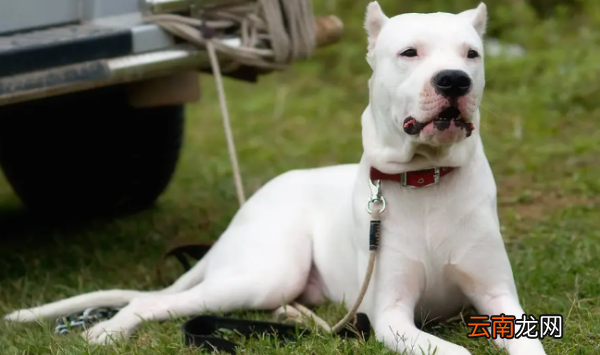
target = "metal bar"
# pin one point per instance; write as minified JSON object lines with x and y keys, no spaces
{"x":168,"y":6}
{"x":90,"y":75}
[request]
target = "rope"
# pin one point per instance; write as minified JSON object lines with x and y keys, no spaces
{"x":289,"y":29}
{"x":258,"y":21}
{"x":237,"y":175}
{"x":274,"y":33}
{"x":361,"y":295}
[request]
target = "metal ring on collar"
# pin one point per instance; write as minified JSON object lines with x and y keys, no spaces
{"x":375,"y":199}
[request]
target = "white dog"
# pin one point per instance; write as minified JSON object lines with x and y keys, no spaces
{"x":305,"y":235}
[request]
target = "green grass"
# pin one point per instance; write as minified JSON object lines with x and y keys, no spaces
{"x":540,"y":128}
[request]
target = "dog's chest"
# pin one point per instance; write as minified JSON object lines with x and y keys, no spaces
{"x":424,"y":238}
{"x":426,"y":225}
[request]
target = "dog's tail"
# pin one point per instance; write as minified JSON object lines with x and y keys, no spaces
{"x":109,"y":298}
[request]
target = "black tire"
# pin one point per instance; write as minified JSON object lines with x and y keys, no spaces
{"x":89,"y":154}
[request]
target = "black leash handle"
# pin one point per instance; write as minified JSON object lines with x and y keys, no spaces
{"x":203,"y":331}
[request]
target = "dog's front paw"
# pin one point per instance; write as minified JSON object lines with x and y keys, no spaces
{"x":106,"y":333}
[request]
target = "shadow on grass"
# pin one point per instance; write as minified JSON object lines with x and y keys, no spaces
{"x":37,"y":241}
{"x":19,"y":225}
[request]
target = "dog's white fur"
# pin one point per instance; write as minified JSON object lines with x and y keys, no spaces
{"x":304,"y":235}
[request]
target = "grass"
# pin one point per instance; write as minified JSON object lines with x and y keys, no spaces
{"x":540,"y":130}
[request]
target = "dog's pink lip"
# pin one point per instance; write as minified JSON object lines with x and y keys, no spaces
{"x":451,"y":132}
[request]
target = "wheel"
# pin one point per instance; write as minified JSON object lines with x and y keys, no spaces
{"x":89,"y":153}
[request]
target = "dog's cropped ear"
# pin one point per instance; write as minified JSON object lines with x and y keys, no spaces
{"x":477,"y":17}
{"x":374,"y":21}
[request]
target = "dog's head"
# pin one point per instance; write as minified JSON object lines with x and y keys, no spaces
{"x":428,"y":74}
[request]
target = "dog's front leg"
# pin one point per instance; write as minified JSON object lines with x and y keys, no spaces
{"x":486,"y":278}
{"x":396,"y":289}
{"x":507,"y":303}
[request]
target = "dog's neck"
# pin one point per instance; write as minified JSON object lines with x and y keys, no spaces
{"x":387,"y":149}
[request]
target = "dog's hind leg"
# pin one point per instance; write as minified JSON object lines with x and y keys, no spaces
{"x":223,"y":293}
{"x":190,"y":279}
{"x":259,"y":274}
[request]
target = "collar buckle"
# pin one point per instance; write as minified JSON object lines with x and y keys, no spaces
{"x":436,"y":179}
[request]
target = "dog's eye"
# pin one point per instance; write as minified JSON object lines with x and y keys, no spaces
{"x":472,"y":54}
{"x":411,"y":52}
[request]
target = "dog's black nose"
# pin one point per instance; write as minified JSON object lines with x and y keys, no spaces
{"x":451,"y":83}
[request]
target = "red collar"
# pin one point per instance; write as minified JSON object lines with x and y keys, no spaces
{"x":413,"y":179}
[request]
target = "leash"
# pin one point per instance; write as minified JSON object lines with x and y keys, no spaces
{"x":374,"y":239}
{"x":216,"y":333}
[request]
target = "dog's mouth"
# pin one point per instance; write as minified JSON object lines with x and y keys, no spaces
{"x":447,"y":117}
